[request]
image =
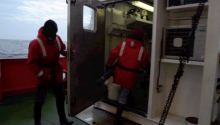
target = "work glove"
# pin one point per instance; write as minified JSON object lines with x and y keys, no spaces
{"x":65,"y":53}
{"x":46,"y":77}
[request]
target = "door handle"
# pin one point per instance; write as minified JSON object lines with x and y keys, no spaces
{"x":71,"y":2}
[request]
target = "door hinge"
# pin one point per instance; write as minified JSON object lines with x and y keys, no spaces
{"x":71,"y":2}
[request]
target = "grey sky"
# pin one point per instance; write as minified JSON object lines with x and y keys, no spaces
{"x":21,"y":19}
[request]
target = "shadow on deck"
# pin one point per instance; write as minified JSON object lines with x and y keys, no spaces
{"x":18,"y":110}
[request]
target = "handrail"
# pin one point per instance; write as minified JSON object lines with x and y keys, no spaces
{"x":16,"y":78}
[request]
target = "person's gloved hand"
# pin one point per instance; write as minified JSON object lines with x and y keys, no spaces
{"x":142,"y":71}
{"x":65,"y":53}
{"x":46,"y":76}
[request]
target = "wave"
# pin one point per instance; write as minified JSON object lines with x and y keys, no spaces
{"x":14,"y":48}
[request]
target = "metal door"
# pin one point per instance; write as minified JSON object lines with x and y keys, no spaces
{"x":86,"y":53}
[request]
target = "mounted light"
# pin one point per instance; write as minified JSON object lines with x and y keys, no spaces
{"x":143,"y":6}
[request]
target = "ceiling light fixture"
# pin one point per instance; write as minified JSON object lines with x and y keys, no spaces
{"x":143,"y":6}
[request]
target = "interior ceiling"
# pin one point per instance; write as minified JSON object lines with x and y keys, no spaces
{"x":116,"y":1}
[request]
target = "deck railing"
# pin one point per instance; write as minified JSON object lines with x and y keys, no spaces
{"x":16,"y":78}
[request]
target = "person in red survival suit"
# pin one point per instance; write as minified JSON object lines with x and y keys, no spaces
{"x":43,"y":61}
{"x":131,"y":56}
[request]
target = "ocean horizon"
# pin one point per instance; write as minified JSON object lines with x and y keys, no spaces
{"x":10,"y":48}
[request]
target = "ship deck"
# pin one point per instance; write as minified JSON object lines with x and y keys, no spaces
{"x":18,"y":110}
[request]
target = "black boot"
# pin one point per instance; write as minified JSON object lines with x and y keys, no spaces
{"x":37,"y":123}
{"x":37,"y":113}
{"x":119,"y":112}
{"x":61,"y":111}
{"x":66,"y":122}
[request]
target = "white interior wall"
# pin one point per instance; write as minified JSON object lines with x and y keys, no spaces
{"x":186,"y":18}
{"x":156,"y":100}
{"x":190,"y":84}
{"x":210,"y":73}
{"x":114,"y":14}
{"x":161,"y":96}
{"x":187,"y":98}
{"x":118,"y":13}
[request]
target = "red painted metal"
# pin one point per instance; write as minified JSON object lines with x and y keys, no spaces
{"x":0,"y":83}
{"x":16,"y":78}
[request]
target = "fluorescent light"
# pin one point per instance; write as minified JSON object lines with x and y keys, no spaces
{"x":143,"y":6}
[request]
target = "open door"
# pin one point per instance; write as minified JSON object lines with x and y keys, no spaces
{"x":86,"y":36}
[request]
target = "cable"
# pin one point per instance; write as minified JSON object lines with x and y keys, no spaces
{"x":158,"y":77}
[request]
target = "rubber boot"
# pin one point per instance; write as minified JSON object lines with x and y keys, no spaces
{"x":37,"y":113}
{"x":37,"y":123}
{"x":119,"y":112}
{"x":66,"y":122}
{"x":61,"y":113}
